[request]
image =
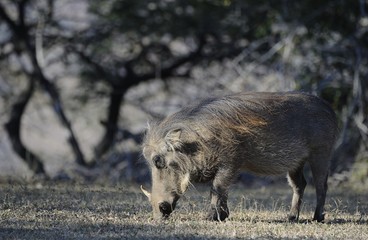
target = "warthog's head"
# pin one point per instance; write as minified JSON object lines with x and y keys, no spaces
{"x":169,"y":159}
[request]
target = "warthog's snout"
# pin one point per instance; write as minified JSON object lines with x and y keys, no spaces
{"x":165,"y":208}
{"x":162,"y":207}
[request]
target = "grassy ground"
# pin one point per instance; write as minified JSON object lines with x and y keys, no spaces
{"x":78,"y":211}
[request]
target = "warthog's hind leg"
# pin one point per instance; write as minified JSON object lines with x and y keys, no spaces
{"x":320,"y":171}
{"x":297,"y":182}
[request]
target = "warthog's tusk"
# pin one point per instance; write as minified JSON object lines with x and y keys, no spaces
{"x":146,"y":193}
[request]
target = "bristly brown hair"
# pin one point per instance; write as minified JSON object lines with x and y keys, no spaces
{"x":222,"y":119}
{"x":263,"y":133}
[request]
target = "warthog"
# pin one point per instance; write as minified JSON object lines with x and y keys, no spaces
{"x":217,"y":138}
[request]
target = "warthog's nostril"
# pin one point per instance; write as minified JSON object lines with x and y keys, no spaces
{"x":165,"y":208}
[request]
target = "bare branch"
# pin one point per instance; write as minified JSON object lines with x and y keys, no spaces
{"x":168,"y":70}
{"x":39,"y":41}
{"x":99,"y":69}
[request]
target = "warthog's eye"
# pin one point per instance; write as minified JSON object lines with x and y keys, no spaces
{"x":159,"y":161}
{"x":174,"y":165}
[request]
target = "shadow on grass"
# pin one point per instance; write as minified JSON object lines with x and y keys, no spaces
{"x":308,"y":221}
{"x":344,"y":221}
{"x":95,"y":231}
{"x":128,"y":231}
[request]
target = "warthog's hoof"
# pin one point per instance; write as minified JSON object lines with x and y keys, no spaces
{"x":292,"y":218}
{"x":218,"y":215}
{"x":319,"y":218}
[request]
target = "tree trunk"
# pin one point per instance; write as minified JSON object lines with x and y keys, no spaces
{"x":12,"y":127}
{"x":111,"y":124}
{"x":56,"y":103}
{"x":23,"y":38}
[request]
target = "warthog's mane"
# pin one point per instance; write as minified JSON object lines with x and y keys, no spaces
{"x":217,"y":121}
{"x":221,"y":117}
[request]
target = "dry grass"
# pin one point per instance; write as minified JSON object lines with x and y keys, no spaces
{"x":78,"y":211}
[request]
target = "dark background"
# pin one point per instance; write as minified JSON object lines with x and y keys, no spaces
{"x":80,"y":79}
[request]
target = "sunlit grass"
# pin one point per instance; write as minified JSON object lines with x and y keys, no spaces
{"x":65,"y":211}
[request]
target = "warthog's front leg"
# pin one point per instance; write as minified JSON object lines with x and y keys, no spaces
{"x":219,"y":210}
{"x":219,"y":192}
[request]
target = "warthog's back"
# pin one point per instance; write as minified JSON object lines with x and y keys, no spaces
{"x":266,"y":133}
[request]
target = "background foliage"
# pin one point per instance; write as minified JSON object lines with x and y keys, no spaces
{"x":79,"y":79}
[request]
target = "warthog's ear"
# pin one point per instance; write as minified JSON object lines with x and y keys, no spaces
{"x":173,"y":137}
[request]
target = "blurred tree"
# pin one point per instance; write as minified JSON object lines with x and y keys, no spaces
{"x":338,"y":31}
{"x":136,"y":41}
{"x":322,"y":45}
{"x":21,"y":28}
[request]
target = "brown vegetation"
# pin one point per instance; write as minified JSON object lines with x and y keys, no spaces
{"x":80,"y":211}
